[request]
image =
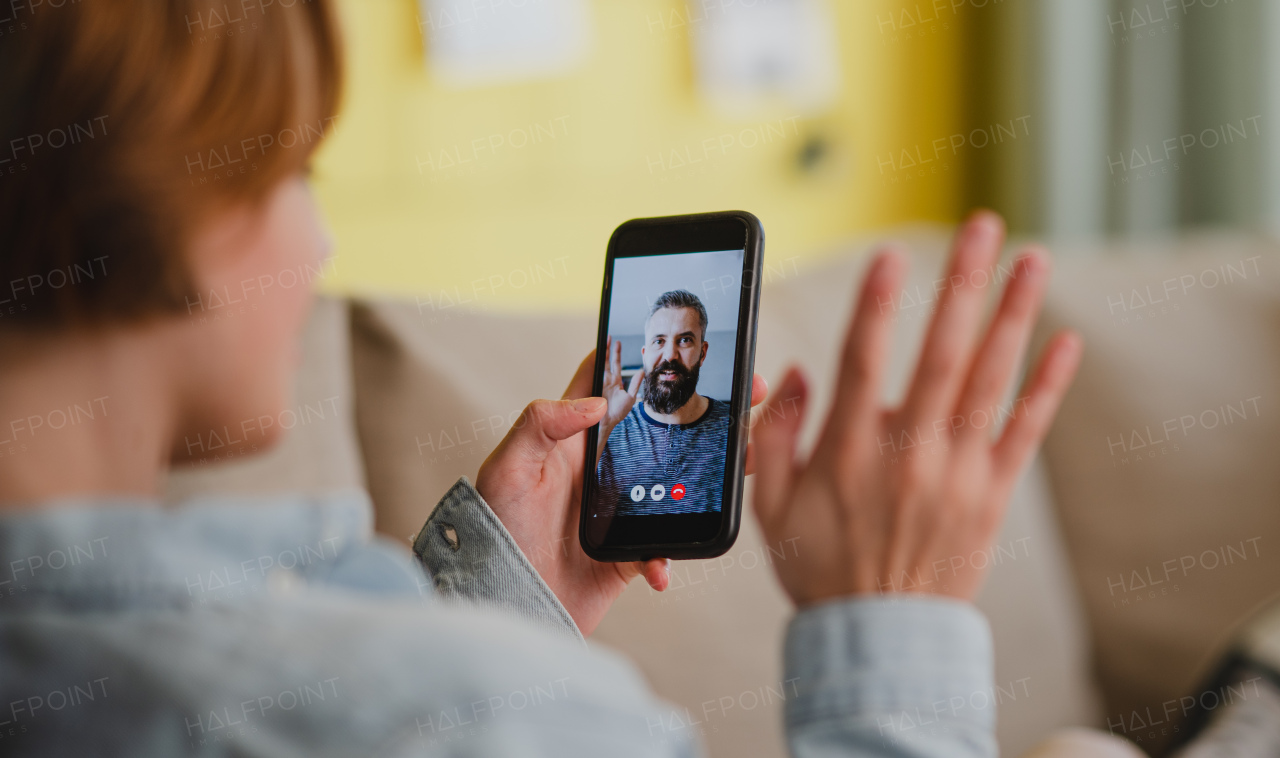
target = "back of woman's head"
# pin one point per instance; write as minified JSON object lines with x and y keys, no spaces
{"x":126,"y":124}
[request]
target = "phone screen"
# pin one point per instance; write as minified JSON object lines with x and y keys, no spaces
{"x":666,"y":449}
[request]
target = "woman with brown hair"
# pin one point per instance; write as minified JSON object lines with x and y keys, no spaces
{"x":153,"y":155}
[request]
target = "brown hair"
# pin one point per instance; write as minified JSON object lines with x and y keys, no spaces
{"x":125,"y":124}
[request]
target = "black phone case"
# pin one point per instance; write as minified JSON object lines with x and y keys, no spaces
{"x":740,"y":406}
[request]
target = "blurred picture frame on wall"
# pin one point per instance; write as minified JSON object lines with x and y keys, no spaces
{"x":474,"y":43}
{"x":756,"y":57}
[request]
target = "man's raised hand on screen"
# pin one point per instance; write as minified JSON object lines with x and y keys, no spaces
{"x":621,"y":397}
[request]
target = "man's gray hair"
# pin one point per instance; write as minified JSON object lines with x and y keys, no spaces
{"x":681,"y":299}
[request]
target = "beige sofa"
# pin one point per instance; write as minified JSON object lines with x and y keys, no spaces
{"x":1092,"y":627}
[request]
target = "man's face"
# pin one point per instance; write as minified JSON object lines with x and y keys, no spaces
{"x":673,"y":354}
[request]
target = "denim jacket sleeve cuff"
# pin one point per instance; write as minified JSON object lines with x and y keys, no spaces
{"x":893,"y":675}
{"x":471,"y":556}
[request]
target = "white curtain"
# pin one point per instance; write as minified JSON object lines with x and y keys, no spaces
{"x":1152,"y":115}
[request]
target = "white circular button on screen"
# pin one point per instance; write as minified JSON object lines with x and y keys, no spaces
{"x":637,"y":493}
{"x":658,"y":492}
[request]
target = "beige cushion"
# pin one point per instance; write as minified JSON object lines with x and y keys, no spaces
{"x":320,"y":452}
{"x":438,"y":389}
{"x":436,"y":394}
{"x":1135,"y":496}
{"x":1084,"y":743}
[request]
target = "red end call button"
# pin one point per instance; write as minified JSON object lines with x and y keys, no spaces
{"x":677,"y":492}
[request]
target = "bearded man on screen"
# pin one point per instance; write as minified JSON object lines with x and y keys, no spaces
{"x":666,"y":453}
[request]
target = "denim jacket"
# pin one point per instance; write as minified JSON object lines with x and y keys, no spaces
{"x":283,"y":626}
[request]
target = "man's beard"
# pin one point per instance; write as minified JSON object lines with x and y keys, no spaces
{"x":669,"y":397}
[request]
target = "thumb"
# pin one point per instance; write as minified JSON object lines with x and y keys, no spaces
{"x":580,"y":385}
{"x":545,"y":422}
{"x":774,"y":434}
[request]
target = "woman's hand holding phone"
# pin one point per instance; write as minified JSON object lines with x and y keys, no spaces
{"x":533,"y":482}
{"x":870,"y":516}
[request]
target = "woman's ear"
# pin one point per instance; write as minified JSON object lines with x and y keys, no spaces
{"x":219,"y":246}
{"x":285,"y":230}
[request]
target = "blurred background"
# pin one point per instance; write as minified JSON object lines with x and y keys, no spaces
{"x":489,"y":147}
{"x":449,"y":167}
{"x":507,"y":138}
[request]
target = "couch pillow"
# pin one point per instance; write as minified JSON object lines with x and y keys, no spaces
{"x":1163,"y":460}
{"x":438,"y":389}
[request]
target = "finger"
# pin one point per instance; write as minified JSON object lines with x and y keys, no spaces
{"x":759,"y":390}
{"x":866,"y":344}
{"x":657,"y":572}
{"x":949,"y":341}
{"x":775,"y":432}
{"x":580,"y":385}
{"x":615,"y":360}
{"x":1002,"y":348}
{"x":545,"y":422}
{"x":636,"y":380}
{"x":1040,"y":400}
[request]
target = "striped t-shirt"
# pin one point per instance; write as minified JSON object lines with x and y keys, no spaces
{"x":642,"y":452}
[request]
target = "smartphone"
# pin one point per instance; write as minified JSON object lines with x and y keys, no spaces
{"x":675,"y":356}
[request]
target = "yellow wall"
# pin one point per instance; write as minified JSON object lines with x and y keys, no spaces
{"x":526,"y":227}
